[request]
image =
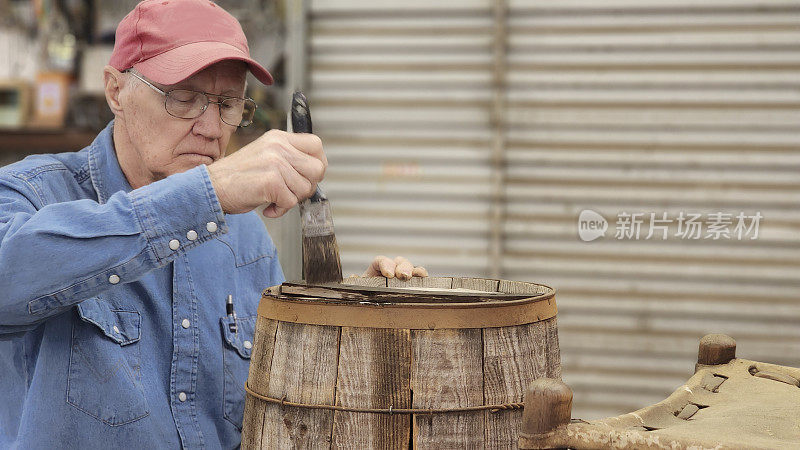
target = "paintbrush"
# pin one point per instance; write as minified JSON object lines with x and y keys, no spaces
{"x":321,"y":263}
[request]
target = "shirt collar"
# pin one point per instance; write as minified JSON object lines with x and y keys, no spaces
{"x":104,"y":170}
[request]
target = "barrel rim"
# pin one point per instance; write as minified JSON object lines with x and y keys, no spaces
{"x":530,"y":308}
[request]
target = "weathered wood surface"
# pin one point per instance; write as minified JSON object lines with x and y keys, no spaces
{"x":378,"y":368}
{"x":512,"y":358}
{"x":434,"y":282}
{"x":446,"y":373}
{"x":258,"y":379}
{"x":397,"y":293}
{"x":303,"y":370}
{"x":365,"y":281}
{"x":478,"y":284}
{"x":521,"y":287}
{"x":374,"y":372}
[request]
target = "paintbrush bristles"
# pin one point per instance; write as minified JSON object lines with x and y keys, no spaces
{"x":321,"y":263}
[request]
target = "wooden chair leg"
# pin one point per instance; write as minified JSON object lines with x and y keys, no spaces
{"x":548,"y":406}
{"x":715,"y":349}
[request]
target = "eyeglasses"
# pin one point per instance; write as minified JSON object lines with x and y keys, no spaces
{"x":188,"y":104}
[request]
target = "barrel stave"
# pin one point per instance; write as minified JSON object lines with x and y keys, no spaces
{"x":374,"y":372}
{"x":303,"y":370}
{"x":513,"y":357}
{"x":446,"y":373}
{"x":258,"y":379}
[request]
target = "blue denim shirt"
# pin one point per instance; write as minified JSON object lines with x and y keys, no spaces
{"x":113,"y":328}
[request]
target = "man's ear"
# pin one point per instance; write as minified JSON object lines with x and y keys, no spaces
{"x":113,"y":81}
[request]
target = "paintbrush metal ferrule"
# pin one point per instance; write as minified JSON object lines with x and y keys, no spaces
{"x":316,"y":218}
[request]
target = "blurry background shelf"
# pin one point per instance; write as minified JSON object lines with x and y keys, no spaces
{"x":44,"y":140}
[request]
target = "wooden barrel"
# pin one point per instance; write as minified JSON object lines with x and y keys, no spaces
{"x":374,"y":363}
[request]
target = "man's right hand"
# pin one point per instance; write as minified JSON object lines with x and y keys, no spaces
{"x":278,"y":168}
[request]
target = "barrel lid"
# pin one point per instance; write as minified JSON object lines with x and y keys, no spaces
{"x":427,"y":303}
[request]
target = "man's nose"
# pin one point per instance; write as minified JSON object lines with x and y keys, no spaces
{"x":209,"y":124}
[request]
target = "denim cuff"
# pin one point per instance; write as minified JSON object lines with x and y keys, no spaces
{"x":178,"y":213}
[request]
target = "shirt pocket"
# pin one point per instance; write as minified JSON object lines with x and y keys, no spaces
{"x":237,"y":346}
{"x":248,"y":249}
{"x":104,"y":379}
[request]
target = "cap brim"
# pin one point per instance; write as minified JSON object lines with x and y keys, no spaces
{"x":176,"y":65}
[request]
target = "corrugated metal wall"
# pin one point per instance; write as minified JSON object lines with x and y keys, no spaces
{"x":400,"y":95}
{"x":614,"y":106}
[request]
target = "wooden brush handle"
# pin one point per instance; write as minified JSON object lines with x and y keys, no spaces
{"x":301,"y":114}
{"x":301,"y":123}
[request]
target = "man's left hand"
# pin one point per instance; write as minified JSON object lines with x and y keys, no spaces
{"x":399,"y":267}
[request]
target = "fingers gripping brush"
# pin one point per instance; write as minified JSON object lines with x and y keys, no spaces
{"x":321,"y":263}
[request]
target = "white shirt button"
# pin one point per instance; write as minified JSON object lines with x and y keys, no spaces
{"x":174,"y":244}
{"x":191,"y":235}
{"x":211,"y":227}
{"x":113,"y":279}
{"x":116,"y":330}
{"x":248,"y":344}
{"x":185,"y":323}
{"x":182,"y":396}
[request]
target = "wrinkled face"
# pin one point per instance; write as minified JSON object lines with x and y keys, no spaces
{"x":156,"y":144}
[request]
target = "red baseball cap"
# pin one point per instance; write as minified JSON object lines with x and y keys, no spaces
{"x":170,"y":40}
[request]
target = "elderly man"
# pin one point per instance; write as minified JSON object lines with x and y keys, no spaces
{"x":117,"y":260}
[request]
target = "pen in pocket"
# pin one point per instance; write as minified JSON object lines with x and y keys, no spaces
{"x":231,"y":313}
